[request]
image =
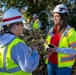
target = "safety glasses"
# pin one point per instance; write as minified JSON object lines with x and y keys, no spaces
{"x":19,"y":23}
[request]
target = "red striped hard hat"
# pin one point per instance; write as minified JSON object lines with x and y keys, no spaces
{"x":11,"y":16}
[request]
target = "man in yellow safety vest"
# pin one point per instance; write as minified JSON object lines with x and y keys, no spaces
{"x":16,"y":57}
{"x":37,"y":23}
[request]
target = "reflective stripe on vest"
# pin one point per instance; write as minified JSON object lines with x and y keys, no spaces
{"x":69,"y":58}
{"x":10,"y":70}
{"x":73,"y":44}
{"x":47,"y":40}
{"x":64,"y":60}
{"x":46,"y":44}
{"x":8,"y":65}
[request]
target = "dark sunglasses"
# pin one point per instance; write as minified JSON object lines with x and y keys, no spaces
{"x":17,"y":23}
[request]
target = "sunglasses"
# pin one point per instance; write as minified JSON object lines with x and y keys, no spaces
{"x":19,"y":23}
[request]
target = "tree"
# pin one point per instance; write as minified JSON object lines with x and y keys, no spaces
{"x":34,"y":5}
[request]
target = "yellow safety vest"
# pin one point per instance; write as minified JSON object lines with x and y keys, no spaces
{"x":65,"y":60}
{"x":7,"y":65}
{"x":35,"y":25}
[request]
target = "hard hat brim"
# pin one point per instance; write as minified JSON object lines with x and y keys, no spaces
{"x":5,"y":23}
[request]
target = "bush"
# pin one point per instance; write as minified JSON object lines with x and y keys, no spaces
{"x":36,"y":37}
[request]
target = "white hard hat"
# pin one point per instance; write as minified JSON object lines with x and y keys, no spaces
{"x":35,"y":15}
{"x":11,"y":16}
{"x":60,"y":9}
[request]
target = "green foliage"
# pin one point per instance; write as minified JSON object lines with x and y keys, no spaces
{"x":36,"y":37}
{"x":72,"y":18}
{"x":35,"y":6}
{"x":44,"y":19}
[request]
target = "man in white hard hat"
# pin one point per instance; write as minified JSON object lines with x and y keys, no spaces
{"x":16,"y":58}
{"x":61,"y":38}
{"x":37,"y":23}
